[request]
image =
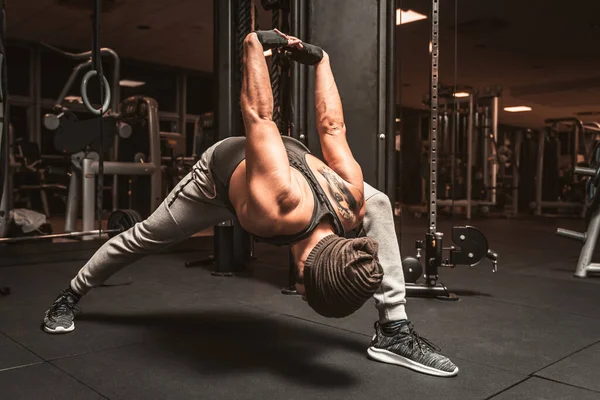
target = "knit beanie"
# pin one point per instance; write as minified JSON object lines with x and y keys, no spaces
{"x":340,"y":275}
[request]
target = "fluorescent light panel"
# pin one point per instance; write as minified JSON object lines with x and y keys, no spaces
{"x":408,"y":16}
{"x":461,"y":94}
{"x":131,"y":83}
{"x":517,"y":109}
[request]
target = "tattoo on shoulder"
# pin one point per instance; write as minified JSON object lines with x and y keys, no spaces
{"x":346,"y":203}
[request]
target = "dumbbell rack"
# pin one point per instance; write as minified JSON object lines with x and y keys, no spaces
{"x":589,"y":238}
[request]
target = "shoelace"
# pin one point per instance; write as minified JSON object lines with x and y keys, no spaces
{"x":419,"y":340}
{"x":61,"y":305}
{"x":414,"y":338}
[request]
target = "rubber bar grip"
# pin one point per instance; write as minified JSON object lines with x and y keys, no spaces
{"x":309,"y":54}
{"x":271,"y":39}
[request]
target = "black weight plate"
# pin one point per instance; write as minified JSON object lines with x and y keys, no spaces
{"x":121,"y":220}
{"x":412,"y":268}
{"x":115,"y":222}
{"x":134,"y":216}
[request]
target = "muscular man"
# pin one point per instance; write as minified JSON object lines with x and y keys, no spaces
{"x":283,"y":195}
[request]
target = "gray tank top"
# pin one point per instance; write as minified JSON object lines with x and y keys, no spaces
{"x":232,"y":151}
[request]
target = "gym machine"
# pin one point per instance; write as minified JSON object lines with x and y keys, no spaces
{"x":81,"y":139}
{"x":470,"y":153}
{"x":580,"y":138}
{"x":73,"y":136}
{"x":589,"y":238}
{"x":150,"y":167}
{"x":471,"y":245}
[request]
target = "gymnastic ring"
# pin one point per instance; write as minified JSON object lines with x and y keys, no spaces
{"x":84,"y":93}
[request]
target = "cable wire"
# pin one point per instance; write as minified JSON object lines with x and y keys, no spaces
{"x":97,"y":65}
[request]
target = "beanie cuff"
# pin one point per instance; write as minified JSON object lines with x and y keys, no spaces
{"x":318,"y":248}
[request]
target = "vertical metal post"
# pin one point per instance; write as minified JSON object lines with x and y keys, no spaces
{"x":154,"y":132}
{"x":225,"y":67}
{"x":485,"y":148}
{"x":381,"y":95}
{"x":447,"y":133}
{"x":577,"y":133}
{"x":443,"y":137}
{"x":5,"y":175}
{"x":302,"y":73}
{"x":89,"y":197}
{"x":390,"y":23}
{"x":35,"y":79}
{"x":515,"y":172}
{"x":470,"y":123}
{"x":182,"y":105}
{"x":295,"y":67}
{"x":495,"y":139}
{"x":5,"y":168}
{"x":539,"y":173}
{"x":433,"y":120}
{"x":73,"y":200}
{"x":115,"y":184}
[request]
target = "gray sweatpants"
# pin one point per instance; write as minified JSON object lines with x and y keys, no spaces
{"x":193,"y":206}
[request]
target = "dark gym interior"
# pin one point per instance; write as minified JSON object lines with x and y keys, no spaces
{"x":515,"y":119}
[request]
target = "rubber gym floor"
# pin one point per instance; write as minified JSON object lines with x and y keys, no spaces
{"x":158,"y":330}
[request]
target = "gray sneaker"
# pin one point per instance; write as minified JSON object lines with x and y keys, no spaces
{"x":59,"y":318}
{"x":406,"y":348}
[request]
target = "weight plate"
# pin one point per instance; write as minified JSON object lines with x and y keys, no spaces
{"x":134,"y":216}
{"x":121,"y":220}
{"x":412,"y":268}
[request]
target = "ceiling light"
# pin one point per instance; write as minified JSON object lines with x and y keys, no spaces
{"x":397,"y":119}
{"x":461,"y":94}
{"x":131,"y":83}
{"x":408,"y":16}
{"x":517,"y":109}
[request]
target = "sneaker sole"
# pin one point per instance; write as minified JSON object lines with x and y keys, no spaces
{"x":60,"y":329}
{"x":391,"y":358}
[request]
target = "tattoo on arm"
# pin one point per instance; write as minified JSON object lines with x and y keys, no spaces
{"x":345,"y":202}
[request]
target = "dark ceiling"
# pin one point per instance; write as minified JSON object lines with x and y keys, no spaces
{"x":544,"y":54}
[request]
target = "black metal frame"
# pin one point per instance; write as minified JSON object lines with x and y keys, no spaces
{"x":297,"y":104}
{"x":473,"y":244}
{"x":4,"y":164}
{"x":233,"y":246}
{"x":224,"y":67}
{"x":386,"y":107}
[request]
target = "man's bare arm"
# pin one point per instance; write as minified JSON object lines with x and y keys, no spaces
{"x":331,"y":126}
{"x":267,"y":168}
